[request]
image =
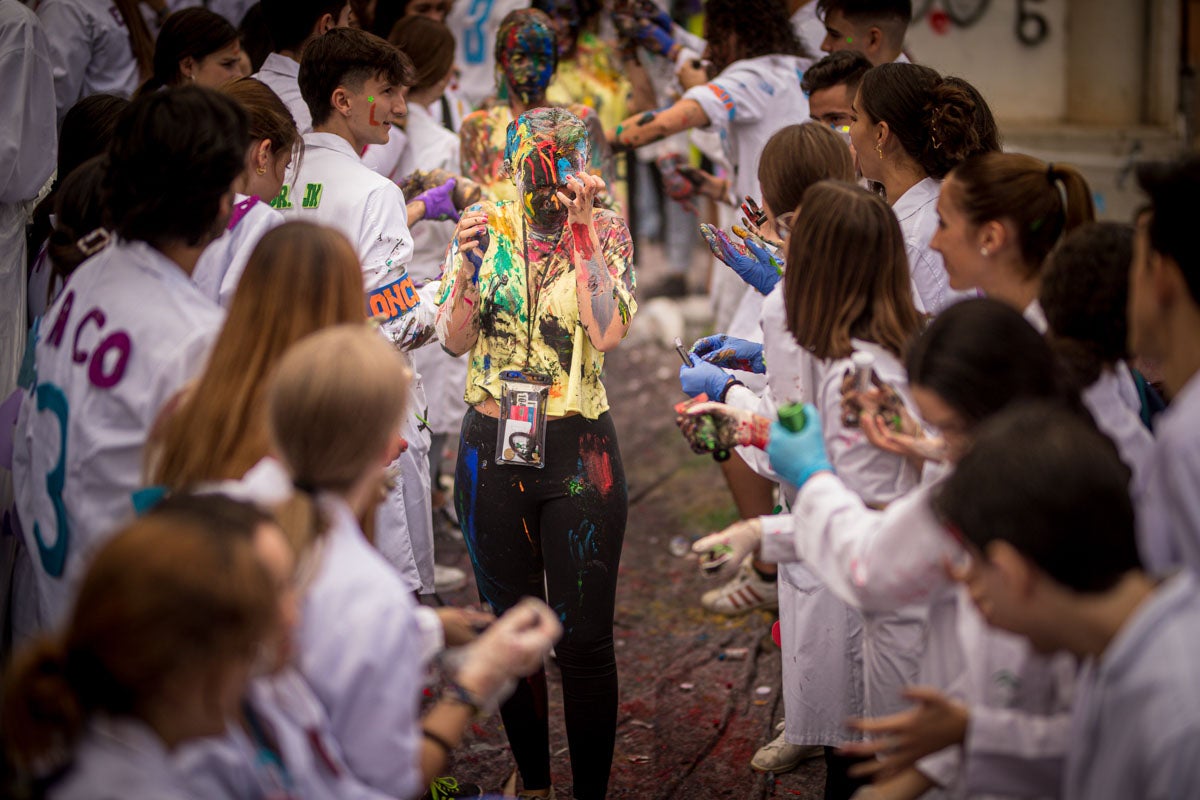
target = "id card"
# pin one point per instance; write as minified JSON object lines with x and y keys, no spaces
{"x":521,"y":439}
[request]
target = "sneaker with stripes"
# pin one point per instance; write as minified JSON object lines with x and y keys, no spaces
{"x":744,"y":592}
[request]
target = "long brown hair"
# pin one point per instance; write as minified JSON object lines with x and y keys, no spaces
{"x":141,"y":42}
{"x":796,"y":157}
{"x":268,"y":116}
{"x":301,"y":278}
{"x":335,"y":400}
{"x":1042,"y":201}
{"x":169,"y":593}
{"x":847,"y":273}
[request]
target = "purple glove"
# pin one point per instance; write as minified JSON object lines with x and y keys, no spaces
{"x":439,"y":202}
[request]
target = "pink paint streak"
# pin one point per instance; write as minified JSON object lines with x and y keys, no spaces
{"x":597,"y":463}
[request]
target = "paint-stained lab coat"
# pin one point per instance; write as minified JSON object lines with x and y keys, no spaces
{"x":282,"y":75}
{"x":90,"y":47}
{"x":1169,"y":514}
{"x":333,"y":187}
{"x":361,"y":649}
{"x":120,"y":758}
{"x":1136,"y":728}
{"x":880,"y":561}
{"x":222,"y":263}
{"x":119,"y":341}
{"x":229,"y":767}
{"x":916,"y":211}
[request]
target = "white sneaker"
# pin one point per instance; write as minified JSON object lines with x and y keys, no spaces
{"x":744,"y":592}
{"x":779,"y":756}
{"x":448,"y":579}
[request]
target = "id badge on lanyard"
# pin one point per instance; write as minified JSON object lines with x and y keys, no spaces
{"x":521,"y":439}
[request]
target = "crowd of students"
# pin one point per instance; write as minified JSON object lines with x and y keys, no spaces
{"x":266,"y":262}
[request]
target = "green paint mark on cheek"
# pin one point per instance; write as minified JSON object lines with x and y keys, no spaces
{"x":849,"y":40}
{"x":370,"y":98}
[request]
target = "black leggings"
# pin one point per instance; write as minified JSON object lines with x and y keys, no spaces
{"x":564,"y":525}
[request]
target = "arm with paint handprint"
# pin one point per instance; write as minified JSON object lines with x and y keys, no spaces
{"x":603,"y":265}
{"x":458,"y":302}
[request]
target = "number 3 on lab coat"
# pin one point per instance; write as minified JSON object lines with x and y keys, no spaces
{"x":54,"y":557}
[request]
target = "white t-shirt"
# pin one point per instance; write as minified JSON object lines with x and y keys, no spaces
{"x":282,"y":74}
{"x":474,"y":24}
{"x":126,"y":333}
{"x":916,"y":211}
{"x":119,"y":759}
{"x":746,"y":104}
{"x":90,"y":47}
{"x":221,"y":265}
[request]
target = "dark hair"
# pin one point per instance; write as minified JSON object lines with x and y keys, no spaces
{"x":267,"y":116}
{"x":847,"y":273}
{"x":189,"y":140}
{"x":188,"y":33}
{"x":429,"y":44}
{"x":980,"y":356}
{"x":256,"y":37}
{"x":86,"y":132}
{"x":762,"y":26}
{"x":141,"y":41}
{"x":940,"y":122}
{"x":1027,"y":192}
{"x":78,"y":210}
{"x":890,"y":16}
{"x":1046,"y":482}
{"x":291,"y":22}
{"x":1084,"y":294}
{"x":347,"y":57}
{"x":796,"y":157}
{"x":1174,"y":190}
{"x":843,"y":67}
{"x":387,"y":14}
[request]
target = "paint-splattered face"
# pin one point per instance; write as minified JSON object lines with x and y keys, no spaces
{"x":528,"y":57}
{"x":545,"y":147}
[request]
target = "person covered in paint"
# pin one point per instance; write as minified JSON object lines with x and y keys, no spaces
{"x":910,"y":127}
{"x":171,"y":616}
{"x":874,"y":28}
{"x":526,"y":60}
{"x":292,"y":24}
{"x":125,"y":334}
{"x":196,"y":46}
{"x":274,"y":142}
{"x":545,"y":285}
{"x":1038,"y":489}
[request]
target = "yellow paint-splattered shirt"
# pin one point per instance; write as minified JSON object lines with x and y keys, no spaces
{"x":559,"y":347}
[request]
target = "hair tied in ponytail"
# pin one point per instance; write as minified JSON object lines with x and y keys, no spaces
{"x":1057,"y":181}
{"x":93,"y":242}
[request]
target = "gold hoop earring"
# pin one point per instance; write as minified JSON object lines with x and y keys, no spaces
{"x":261,"y":171}
{"x":879,"y":149}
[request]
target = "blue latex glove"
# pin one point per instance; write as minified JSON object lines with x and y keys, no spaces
{"x":439,"y":202}
{"x":649,"y":11}
{"x":796,"y":457}
{"x":653,"y":38}
{"x":731,"y":353}
{"x":703,"y":378}
{"x":751,"y":262}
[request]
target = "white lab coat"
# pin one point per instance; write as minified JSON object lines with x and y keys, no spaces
{"x":282,"y":75}
{"x":474,"y":26}
{"x":333,"y":187}
{"x":1169,"y":514}
{"x":90,"y":47}
{"x":229,"y":768}
{"x":1116,"y":407}
{"x":362,"y":650}
{"x":222,"y":263}
{"x":129,"y":330}
{"x":120,"y":758}
{"x":1136,"y":727}
{"x":916,"y":210}
{"x":809,"y":29}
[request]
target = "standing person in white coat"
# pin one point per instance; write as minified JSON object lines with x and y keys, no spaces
{"x":274,"y":142}
{"x":335,"y":409}
{"x":1164,"y":323}
{"x":172,"y":613}
{"x":1040,"y":502}
{"x":353,"y":85}
{"x":97,"y":46}
{"x":292,"y":24}
{"x":910,"y":127}
{"x":125,"y":335}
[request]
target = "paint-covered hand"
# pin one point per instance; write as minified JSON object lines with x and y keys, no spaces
{"x":471,"y":240}
{"x":704,"y":378}
{"x":515,"y":646}
{"x":754,"y":264}
{"x":653,"y":38}
{"x":725,"y":551}
{"x":731,"y":353}
{"x":713,"y":427}
{"x":439,"y":202}
{"x":648,"y":11}
{"x":798,"y":456}
{"x":580,"y":196}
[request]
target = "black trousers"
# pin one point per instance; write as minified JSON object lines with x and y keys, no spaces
{"x":553,"y":533}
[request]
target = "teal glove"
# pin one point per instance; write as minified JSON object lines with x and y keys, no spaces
{"x":796,"y":457}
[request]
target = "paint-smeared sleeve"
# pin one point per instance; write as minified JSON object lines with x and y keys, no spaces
{"x":392,"y":297}
{"x":618,"y":254}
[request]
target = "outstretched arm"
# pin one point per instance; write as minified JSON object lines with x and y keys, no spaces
{"x":643,"y":129}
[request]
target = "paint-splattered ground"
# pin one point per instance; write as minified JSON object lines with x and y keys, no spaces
{"x":672,"y":741}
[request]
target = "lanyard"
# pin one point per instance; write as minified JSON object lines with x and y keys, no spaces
{"x":533,"y":299}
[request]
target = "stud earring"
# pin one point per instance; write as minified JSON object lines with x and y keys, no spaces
{"x":983,"y":251}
